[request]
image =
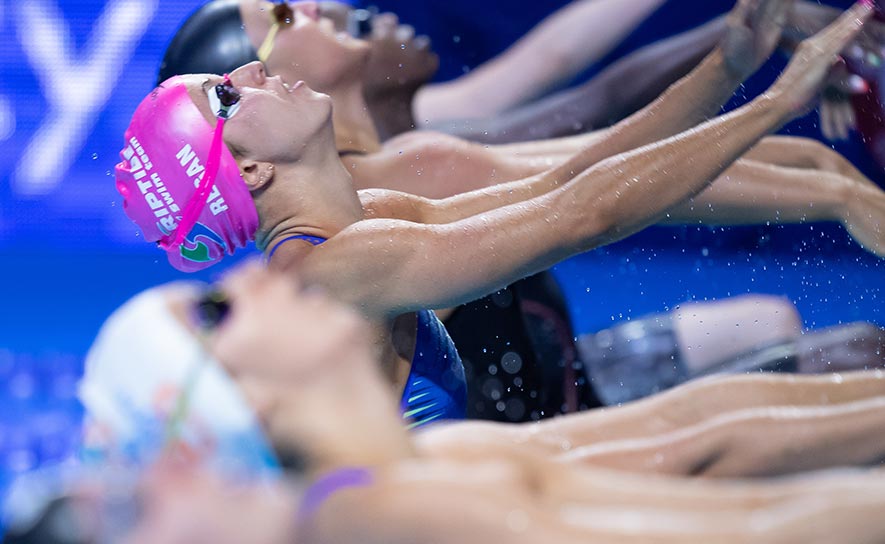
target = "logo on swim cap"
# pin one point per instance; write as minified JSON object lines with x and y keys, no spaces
{"x":202,"y":245}
{"x":164,"y":160}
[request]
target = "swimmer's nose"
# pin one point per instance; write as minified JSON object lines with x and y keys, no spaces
{"x":311,"y":10}
{"x":252,"y":75}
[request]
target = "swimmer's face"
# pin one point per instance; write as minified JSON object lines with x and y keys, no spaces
{"x":276,"y":340}
{"x":309,"y":48}
{"x":277,"y":329}
{"x":274,"y":120}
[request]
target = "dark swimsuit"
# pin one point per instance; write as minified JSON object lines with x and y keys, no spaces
{"x":436,"y":388}
{"x":519,"y":354}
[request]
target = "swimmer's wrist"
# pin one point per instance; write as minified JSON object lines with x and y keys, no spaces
{"x":731,"y":73}
{"x":777,"y":106}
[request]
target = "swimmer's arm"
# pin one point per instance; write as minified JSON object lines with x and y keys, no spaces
{"x":397,"y":266}
{"x":436,"y":165}
{"x":766,"y":441}
{"x":690,"y":405}
{"x":404,"y":510}
{"x":752,"y":192}
{"x":558,"y":48}
{"x":619,"y":90}
{"x":751,"y":38}
{"x":692,"y":100}
{"x":824,"y":508}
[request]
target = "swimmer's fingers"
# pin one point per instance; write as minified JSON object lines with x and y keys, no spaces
{"x":754,"y":30}
{"x":422,"y":42}
{"x":770,"y":17}
{"x":404,"y":33}
{"x":836,"y":112}
{"x":741,"y":10}
{"x":808,"y":69}
{"x":384,"y":26}
{"x":833,"y":39}
{"x":826,"y":121}
{"x":840,"y":120}
{"x":851,"y":117}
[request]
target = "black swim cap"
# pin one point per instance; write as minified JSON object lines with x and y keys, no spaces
{"x":212,"y":40}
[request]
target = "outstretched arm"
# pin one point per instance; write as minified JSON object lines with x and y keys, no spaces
{"x":558,"y":48}
{"x":442,"y":167}
{"x":408,"y":506}
{"x":753,"y":192}
{"x":766,"y":441}
{"x":607,"y":202}
{"x":621,"y":89}
{"x":753,"y":30}
{"x":630,"y":83}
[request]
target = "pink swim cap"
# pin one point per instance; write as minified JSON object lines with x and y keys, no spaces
{"x":167,"y":149}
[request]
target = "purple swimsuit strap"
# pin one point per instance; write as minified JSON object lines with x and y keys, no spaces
{"x":315,"y":240}
{"x":320,"y":491}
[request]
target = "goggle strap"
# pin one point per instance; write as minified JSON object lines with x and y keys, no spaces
{"x":267,"y":46}
{"x":197,"y":202}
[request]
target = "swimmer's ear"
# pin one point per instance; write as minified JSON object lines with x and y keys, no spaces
{"x":256,"y":175}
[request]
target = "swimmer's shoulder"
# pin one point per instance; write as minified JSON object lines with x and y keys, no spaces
{"x":416,"y":138}
{"x":391,"y":204}
{"x":424,"y":147}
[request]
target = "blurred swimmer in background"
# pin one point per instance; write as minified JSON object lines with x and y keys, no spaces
{"x":307,"y":367}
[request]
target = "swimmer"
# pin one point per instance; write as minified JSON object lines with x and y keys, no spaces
{"x":495,"y":327}
{"x":307,"y":366}
{"x":620,"y":89}
{"x":782,"y":180}
{"x":278,"y":178}
{"x":575,"y":36}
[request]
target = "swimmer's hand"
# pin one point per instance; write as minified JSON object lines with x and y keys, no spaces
{"x":399,"y":60}
{"x":799,"y":84}
{"x":754,"y":29}
{"x":808,"y":18}
{"x":837,"y":117}
{"x":864,"y":63}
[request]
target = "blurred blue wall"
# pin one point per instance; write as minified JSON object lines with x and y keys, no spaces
{"x":73,"y":72}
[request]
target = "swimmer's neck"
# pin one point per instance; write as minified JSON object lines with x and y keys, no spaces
{"x":347,"y":417}
{"x":313,"y":195}
{"x":354,"y":128}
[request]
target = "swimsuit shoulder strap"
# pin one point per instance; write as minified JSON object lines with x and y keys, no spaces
{"x":320,"y":491}
{"x":315,"y":240}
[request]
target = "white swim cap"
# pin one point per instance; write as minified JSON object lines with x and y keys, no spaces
{"x":151,"y":386}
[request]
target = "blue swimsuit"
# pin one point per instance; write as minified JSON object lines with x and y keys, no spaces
{"x":436,"y":388}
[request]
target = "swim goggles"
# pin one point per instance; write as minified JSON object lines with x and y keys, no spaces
{"x":281,"y":15}
{"x":224,"y":100}
{"x":207,"y":312}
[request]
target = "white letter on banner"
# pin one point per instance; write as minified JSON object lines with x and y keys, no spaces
{"x":7,"y":115}
{"x":76,"y":87}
